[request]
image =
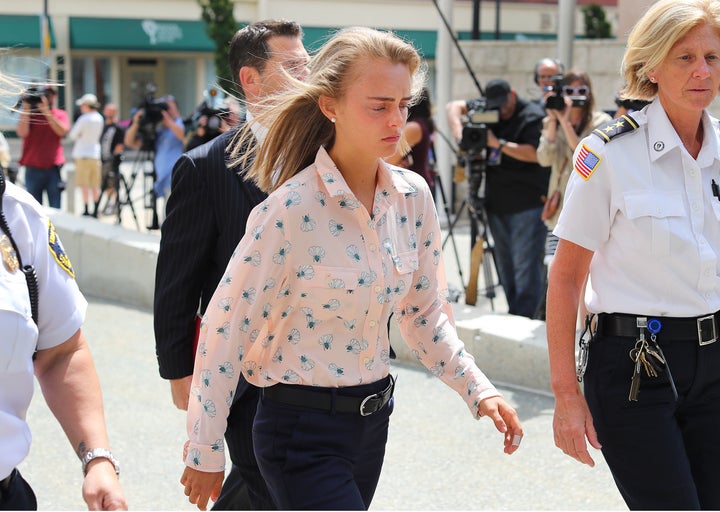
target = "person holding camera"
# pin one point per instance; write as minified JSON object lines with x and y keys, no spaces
{"x":206,"y":217}
{"x":514,"y":188}
{"x":545,"y":73}
{"x":112,"y":146}
{"x":165,"y":138}
{"x":571,"y":116}
{"x":41,"y":127}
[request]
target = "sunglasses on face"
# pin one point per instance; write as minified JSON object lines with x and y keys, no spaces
{"x":581,"y":90}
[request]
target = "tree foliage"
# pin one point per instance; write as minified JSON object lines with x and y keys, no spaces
{"x":596,"y":25}
{"x":220,"y":25}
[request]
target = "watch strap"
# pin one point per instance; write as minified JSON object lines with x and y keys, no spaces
{"x":100,"y":453}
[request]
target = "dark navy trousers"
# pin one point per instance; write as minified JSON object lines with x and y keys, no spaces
{"x":663,"y":454}
{"x":244,"y":488}
{"x":18,"y":495}
{"x":317,"y":460}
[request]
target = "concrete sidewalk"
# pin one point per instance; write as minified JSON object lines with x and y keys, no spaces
{"x":438,"y":457}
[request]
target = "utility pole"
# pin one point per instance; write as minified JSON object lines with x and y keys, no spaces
{"x":497,"y":20}
{"x":566,"y":31}
{"x":45,"y":38}
{"x":476,"y":21}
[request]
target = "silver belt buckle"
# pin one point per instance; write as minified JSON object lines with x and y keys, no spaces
{"x":711,"y":319}
{"x":365,"y":400}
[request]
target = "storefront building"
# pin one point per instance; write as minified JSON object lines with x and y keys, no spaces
{"x":117,"y":49}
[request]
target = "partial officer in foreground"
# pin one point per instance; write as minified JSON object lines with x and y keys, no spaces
{"x":41,"y":314}
{"x":642,"y":214}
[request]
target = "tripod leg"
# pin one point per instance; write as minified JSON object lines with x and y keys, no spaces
{"x":476,"y":257}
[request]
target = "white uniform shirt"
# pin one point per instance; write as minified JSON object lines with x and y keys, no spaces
{"x":86,"y":133}
{"x":648,"y":212}
{"x":61,"y":313}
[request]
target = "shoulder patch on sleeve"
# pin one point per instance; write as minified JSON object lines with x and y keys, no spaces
{"x":619,"y":126}
{"x":586,"y":162}
{"x":58,"y":252}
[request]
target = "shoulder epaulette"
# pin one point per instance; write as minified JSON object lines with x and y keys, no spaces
{"x":619,"y":126}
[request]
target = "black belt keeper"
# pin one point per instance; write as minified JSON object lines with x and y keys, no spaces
{"x":704,"y":329}
{"x":330,"y":399}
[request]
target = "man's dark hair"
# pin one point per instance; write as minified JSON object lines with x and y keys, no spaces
{"x":249,"y":45}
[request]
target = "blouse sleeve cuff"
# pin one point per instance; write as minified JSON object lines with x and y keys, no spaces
{"x":206,"y":458}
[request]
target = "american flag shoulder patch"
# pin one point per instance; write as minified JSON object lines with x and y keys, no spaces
{"x":586,"y":162}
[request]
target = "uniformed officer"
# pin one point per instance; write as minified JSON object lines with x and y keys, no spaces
{"x":50,"y":325}
{"x":642,"y":214}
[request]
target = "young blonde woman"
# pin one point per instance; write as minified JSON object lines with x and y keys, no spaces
{"x":342,"y":241}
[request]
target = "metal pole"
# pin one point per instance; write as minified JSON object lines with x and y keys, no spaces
{"x":476,"y":20}
{"x":443,"y":95}
{"x":497,"y":20}
{"x":566,"y":31}
{"x":45,"y":38}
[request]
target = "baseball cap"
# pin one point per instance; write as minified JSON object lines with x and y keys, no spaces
{"x":87,"y":99}
{"x":496,"y":93}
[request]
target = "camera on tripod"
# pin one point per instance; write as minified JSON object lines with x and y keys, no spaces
{"x":556,"y":101}
{"x":152,"y":111}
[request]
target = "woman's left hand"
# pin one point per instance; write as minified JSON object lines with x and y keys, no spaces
{"x":506,"y":421}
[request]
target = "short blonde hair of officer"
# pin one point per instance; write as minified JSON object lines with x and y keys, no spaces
{"x":653,"y":36}
{"x":296,"y":125}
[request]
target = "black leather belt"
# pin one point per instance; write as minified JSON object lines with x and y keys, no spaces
{"x":704,"y":329}
{"x":6,"y":483}
{"x":330,"y":399}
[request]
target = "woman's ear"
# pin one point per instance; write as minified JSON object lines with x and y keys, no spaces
{"x":328,"y":107}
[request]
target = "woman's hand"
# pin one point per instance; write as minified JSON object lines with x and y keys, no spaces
{"x":506,"y":421}
{"x":201,"y":486}
{"x":572,"y":423}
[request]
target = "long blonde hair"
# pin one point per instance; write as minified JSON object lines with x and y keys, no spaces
{"x":654,"y":35}
{"x":296,"y":126}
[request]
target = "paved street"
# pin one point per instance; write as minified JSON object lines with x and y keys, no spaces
{"x":438,"y":457}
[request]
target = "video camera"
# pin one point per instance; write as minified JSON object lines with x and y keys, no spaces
{"x":474,"y":155}
{"x":213,"y":114}
{"x":556,"y":101}
{"x":33,"y":96}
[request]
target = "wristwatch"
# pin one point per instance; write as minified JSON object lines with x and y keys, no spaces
{"x":501,"y":145}
{"x":100,"y":453}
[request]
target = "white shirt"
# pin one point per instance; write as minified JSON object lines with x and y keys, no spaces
{"x":649,"y":214}
{"x":86,"y":133}
{"x":61,"y":313}
{"x":308,"y":293}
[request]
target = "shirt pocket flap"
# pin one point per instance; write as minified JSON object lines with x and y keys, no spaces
{"x":658,"y":204}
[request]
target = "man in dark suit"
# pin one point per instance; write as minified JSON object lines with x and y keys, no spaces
{"x":205,"y":219}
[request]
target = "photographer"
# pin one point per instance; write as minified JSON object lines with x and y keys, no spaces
{"x":165,"y":137}
{"x":210,"y":120}
{"x":514,"y":188}
{"x":41,"y":127}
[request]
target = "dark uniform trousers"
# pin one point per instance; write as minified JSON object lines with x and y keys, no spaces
{"x":244,"y":484}
{"x":16,"y":493}
{"x":663,"y":454}
{"x":317,"y":460}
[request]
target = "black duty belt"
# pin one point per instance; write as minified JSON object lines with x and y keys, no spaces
{"x":6,"y":483}
{"x":330,"y":399}
{"x":704,"y":329}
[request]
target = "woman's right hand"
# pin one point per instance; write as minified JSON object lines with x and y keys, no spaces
{"x":572,"y":423}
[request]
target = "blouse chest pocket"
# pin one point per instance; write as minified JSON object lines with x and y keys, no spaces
{"x":405,"y":265}
{"x":18,"y":332}
{"x":653,"y":213}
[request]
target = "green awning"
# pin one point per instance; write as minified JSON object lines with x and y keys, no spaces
{"x":139,"y":34}
{"x":22,"y":32}
{"x":424,"y":40}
